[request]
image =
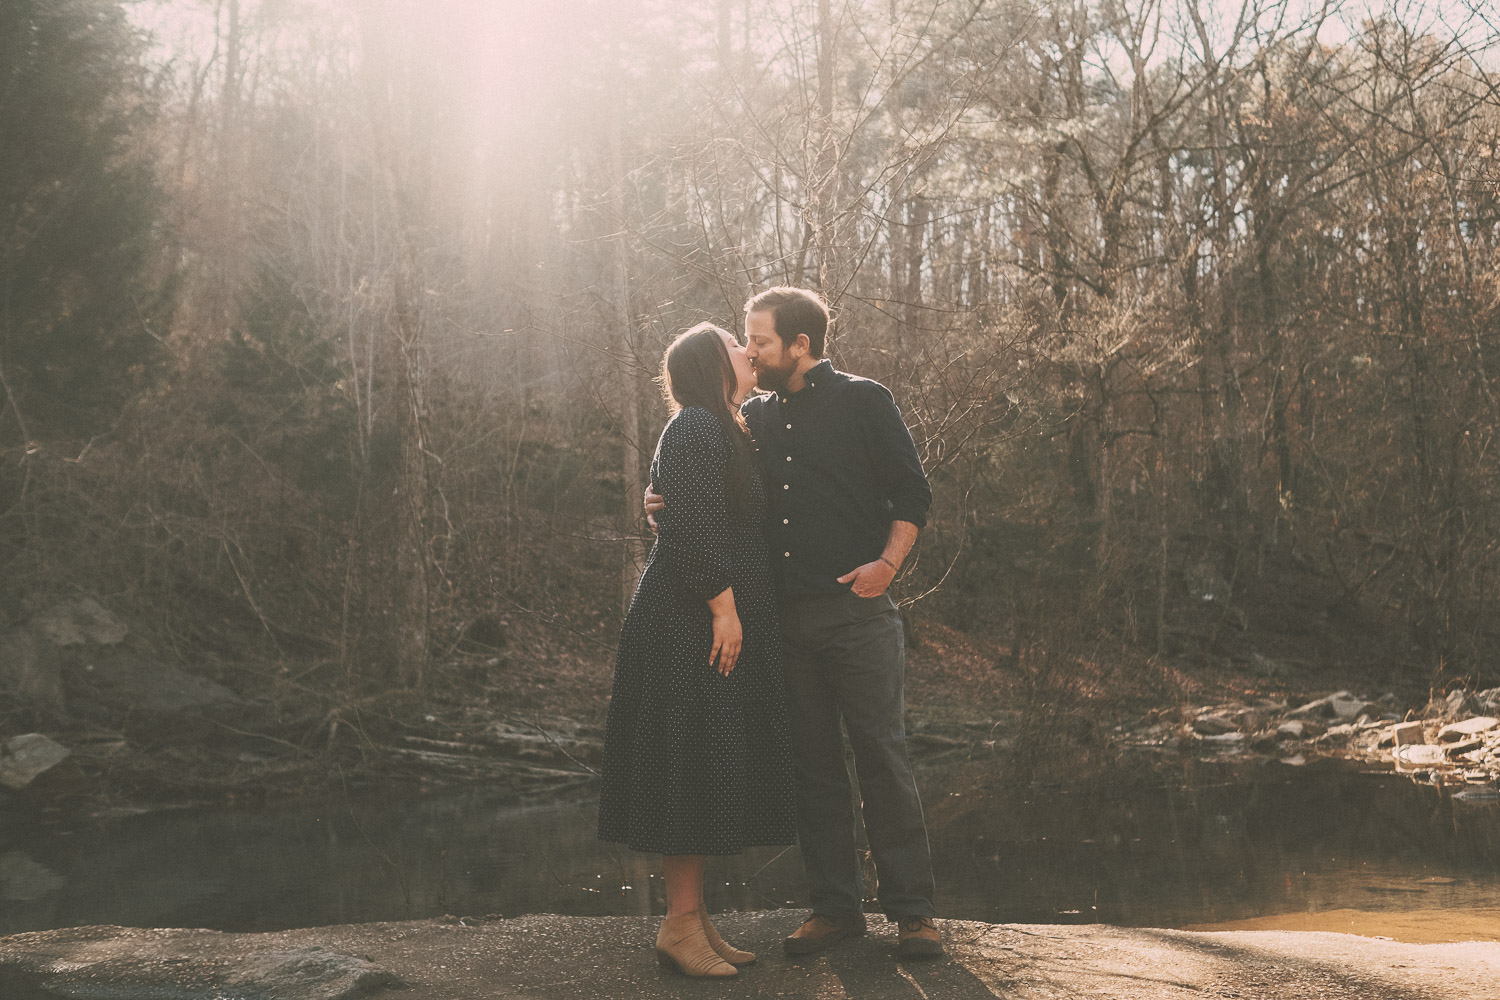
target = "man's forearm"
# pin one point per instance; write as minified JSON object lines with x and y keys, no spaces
{"x":898,"y":543}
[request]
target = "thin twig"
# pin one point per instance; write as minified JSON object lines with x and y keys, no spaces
{"x":552,"y":620}
{"x":560,"y":748}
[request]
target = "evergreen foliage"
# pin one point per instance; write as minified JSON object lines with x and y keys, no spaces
{"x":80,"y":299}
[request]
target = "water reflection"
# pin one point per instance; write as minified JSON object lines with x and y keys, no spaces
{"x":1225,"y":843}
{"x":1207,"y":846}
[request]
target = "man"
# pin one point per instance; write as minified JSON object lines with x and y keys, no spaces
{"x":847,"y":498}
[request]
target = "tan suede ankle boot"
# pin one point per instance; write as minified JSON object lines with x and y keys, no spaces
{"x":727,"y":951}
{"x":682,"y":945}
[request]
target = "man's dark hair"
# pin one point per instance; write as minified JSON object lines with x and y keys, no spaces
{"x":795,"y":311}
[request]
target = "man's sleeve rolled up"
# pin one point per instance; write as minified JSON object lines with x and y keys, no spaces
{"x":898,"y":469}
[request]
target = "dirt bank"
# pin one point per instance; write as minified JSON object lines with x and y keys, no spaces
{"x":530,"y":718}
{"x":560,"y":958}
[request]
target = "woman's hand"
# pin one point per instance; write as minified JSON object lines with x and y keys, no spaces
{"x":728,"y":635}
{"x":654,"y":502}
{"x":728,"y":638}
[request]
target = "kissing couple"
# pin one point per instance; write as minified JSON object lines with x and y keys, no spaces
{"x":761,"y":622}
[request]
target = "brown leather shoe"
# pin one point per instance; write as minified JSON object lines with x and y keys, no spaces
{"x":820,"y":931}
{"x":918,"y":938}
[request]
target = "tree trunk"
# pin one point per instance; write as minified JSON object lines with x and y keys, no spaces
{"x":726,"y":45}
{"x":397,"y":482}
{"x":824,"y":219}
{"x":404,"y":492}
{"x":633,"y":556}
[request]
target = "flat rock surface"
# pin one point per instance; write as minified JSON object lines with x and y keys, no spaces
{"x":562,"y":958}
{"x":124,"y":682}
{"x":1469,"y":727}
{"x":81,"y":622}
{"x":24,"y":757}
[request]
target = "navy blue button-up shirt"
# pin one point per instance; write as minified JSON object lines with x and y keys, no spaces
{"x":839,"y":467}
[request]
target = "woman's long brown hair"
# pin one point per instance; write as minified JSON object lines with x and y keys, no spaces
{"x":696,"y":371}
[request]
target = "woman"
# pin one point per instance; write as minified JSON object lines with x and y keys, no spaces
{"x":695,"y":751}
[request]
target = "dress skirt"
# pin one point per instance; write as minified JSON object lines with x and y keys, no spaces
{"x":695,"y":762}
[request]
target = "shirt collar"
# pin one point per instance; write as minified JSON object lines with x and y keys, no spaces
{"x":815,"y":376}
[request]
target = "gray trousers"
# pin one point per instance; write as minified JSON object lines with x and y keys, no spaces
{"x":845,"y":658}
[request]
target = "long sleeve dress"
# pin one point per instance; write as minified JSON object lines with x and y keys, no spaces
{"x":695,"y":762}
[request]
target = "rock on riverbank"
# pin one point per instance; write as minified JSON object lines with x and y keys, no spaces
{"x":1453,"y":740}
{"x":563,"y":958}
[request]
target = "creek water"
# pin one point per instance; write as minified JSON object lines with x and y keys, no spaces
{"x":1185,"y":844}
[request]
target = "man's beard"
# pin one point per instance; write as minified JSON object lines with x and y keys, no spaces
{"x":773,"y":379}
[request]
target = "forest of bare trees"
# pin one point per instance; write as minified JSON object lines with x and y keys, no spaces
{"x":333,"y":324}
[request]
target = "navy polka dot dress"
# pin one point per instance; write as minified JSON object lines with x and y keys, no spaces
{"x":694,"y":762}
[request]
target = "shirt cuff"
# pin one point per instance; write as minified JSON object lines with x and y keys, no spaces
{"x":915,"y":514}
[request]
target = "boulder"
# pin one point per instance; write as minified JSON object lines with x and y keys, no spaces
{"x":1344,"y":706}
{"x":128,"y":962}
{"x":1408,"y":733}
{"x":1459,"y":704}
{"x":84,"y":622}
{"x":1248,"y":719}
{"x":312,"y":970}
{"x":1420,"y":754}
{"x":30,"y":670}
{"x":119,"y":680}
{"x":1455,"y":731}
{"x":1214,"y":724}
{"x":1293,"y":729}
{"x":24,"y":758}
{"x":1347,"y":707}
{"x":1312,"y":709}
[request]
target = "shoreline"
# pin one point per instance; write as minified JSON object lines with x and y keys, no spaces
{"x":562,"y":958}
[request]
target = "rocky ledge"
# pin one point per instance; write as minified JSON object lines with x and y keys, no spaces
{"x":569,"y":958}
{"x":1453,"y":740}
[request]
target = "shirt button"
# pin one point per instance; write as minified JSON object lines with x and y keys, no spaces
{"x":786,"y":520}
{"x":788,"y":426}
{"x":789,"y":458}
{"x":786,"y":555}
{"x":786,"y":486}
